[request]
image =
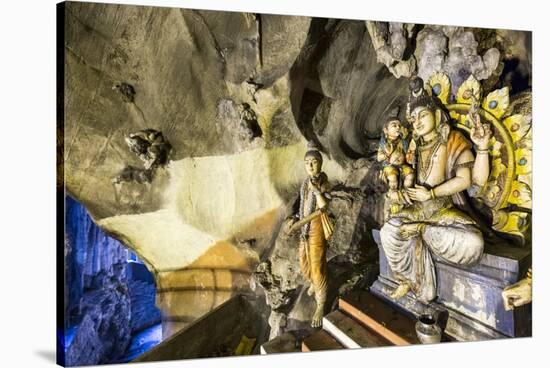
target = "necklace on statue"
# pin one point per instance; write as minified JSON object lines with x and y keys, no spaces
{"x":426,"y":158}
{"x":424,"y":144}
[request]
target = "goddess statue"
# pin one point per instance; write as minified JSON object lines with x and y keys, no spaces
{"x":428,"y":219}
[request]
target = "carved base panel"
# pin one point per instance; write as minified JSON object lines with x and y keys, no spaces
{"x":471,"y":296}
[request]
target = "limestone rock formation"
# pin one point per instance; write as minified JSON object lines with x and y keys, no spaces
{"x":105,"y":331}
{"x":238,"y":95}
{"x":106,"y":302}
{"x":453,"y":50}
{"x":391,"y":40}
{"x":340,"y":93}
{"x":142,"y":302}
{"x":92,"y":259}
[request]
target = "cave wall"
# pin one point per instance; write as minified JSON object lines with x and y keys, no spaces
{"x":238,"y":95}
{"x":107,"y":299}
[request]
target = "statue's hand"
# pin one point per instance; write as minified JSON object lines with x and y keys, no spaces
{"x":480,"y":133}
{"x":397,"y":160}
{"x":287,"y":226}
{"x":314,"y":187}
{"x":407,"y":231}
{"x":419,"y":193}
{"x":398,"y":197}
{"x":382,"y":177}
{"x":517,"y":294}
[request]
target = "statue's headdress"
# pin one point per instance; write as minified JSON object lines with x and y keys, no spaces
{"x":392,"y":115}
{"x":313,"y":151}
{"x":418,"y":96}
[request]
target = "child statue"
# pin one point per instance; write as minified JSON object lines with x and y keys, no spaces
{"x":315,"y":230}
{"x":395,"y":155}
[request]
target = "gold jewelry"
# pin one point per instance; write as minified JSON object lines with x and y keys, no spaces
{"x":469,"y":164}
{"x":432,"y":193}
{"x":425,"y":143}
{"x":482,"y":150}
{"x":425,"y":164}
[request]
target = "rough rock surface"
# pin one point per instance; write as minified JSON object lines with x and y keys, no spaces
{"x":104,"y":304}
{"x":105,"y":331}
{"x":391,"y":40}
{"x":340,"y":93}
{"x":239,"y":123}
{"x":238,"y":95}
{"x":454,"y":51}
{"x":92,"y":258}
{"x":144,"y":313}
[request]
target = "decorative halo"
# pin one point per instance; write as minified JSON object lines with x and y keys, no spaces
{"x":508,"y":190}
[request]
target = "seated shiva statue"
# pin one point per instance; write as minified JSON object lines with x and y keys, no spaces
{"x":429,"y":218}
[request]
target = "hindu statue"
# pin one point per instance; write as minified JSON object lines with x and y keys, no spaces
{"x":430,"y":217}
{"x":315,"y":227}
{"x":394,"y":154}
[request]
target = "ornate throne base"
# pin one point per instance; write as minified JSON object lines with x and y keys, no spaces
{"x":470,"y":296}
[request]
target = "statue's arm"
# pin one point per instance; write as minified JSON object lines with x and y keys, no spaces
{"x":322,"y":201}
{"x":482,"y":168}
{"x":322,"y":194}
{"x":381,"y":155}
{"x":481,"y":135}
{"x":519,"y":293}
{"x":462,"y":179}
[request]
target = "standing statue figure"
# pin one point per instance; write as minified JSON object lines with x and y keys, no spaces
{"x":435,"y":224}
{"x":315,"y":230}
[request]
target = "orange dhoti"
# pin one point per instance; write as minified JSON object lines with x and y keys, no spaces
{"x":313,"y":262}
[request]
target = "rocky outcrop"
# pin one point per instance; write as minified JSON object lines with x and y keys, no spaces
{"x":143,"y":312}
{"x":93,"y":259}
{"x":105,"y":304}
{"x":238,"y":95}
{"x":453,"y":51}
{"x":105,"y":330}
{"x":340,"y":93}
{"x":238,"y":123}
{"x":392,"y":42}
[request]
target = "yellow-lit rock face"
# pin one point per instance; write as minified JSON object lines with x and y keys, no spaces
{"x":198,"y":243}
{"x":216,"y":199}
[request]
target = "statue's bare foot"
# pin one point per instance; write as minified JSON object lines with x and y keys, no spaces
{"x":310,"y":290}
{"x":317,"y":320}
{"x":400,"y":291}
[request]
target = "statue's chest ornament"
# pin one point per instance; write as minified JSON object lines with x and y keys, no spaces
{"x":428,"y":155}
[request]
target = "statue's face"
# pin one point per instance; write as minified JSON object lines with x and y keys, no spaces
{"x":423,"y":120}
{"x":393,"y":129}
{"x":313,"y":166}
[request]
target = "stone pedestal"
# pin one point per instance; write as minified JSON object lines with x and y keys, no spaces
{"x":469,"y":296}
